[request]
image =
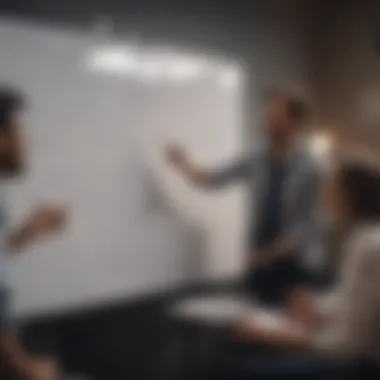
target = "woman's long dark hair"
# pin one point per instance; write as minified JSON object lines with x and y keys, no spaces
{"x":361,"y":184}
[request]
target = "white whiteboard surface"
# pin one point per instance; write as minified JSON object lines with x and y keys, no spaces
{"x":95,"y":143}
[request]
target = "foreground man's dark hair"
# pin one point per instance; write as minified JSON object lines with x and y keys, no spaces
{"x":361,"y":183}
{"x":11,"y":101}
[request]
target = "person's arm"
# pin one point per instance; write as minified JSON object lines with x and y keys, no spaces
{"x":205,"y":178}
{"x":285,"y":336}
{"x":21,"y":237}
{"x":354,"y":327}
{"x":45,"y":220}
{"x":357,"y":323}
{"x":327,"y":308}
{"x":13,"y":355}
{"x":22,"y":364}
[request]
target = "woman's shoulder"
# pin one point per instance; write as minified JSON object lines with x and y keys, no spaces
{"x":364,"y":243}
{"x":361,"y":258}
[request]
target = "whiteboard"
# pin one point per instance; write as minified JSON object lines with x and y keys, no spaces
{"x":95,"y":143}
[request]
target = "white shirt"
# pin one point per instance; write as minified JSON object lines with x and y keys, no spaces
{"x":356,"y":330}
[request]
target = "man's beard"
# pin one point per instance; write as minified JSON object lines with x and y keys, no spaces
{"x":11,"y":167}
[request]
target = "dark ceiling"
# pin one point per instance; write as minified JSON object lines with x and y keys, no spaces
{"x":187,"y":20}
{"x":239,"y":11}
{"x":194,"y":20}
{"x":123,"y":8}
{"x":140,"y":16}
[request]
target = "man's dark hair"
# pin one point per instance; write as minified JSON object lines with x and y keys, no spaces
{"x":11,"y":101}
{"x":296,"y":106}
{"x":361,"y":184}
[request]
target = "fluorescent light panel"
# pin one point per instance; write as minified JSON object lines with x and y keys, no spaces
{"x":160,"y":66}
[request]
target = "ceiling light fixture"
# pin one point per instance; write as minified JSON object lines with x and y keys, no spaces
{"x":113,"y":59}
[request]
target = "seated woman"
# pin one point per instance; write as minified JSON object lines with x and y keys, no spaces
{"x":351,"y":332}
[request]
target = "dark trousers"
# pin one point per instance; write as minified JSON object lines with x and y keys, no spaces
{"x":271,"y":284}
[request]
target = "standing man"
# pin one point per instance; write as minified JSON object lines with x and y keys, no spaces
{"x":284,"y":182}
{"x":44,"y":220}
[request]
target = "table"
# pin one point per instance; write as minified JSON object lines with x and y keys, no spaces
{"x":199,"y":338}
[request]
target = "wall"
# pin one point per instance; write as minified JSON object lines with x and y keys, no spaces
{"x":348,"y":69}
